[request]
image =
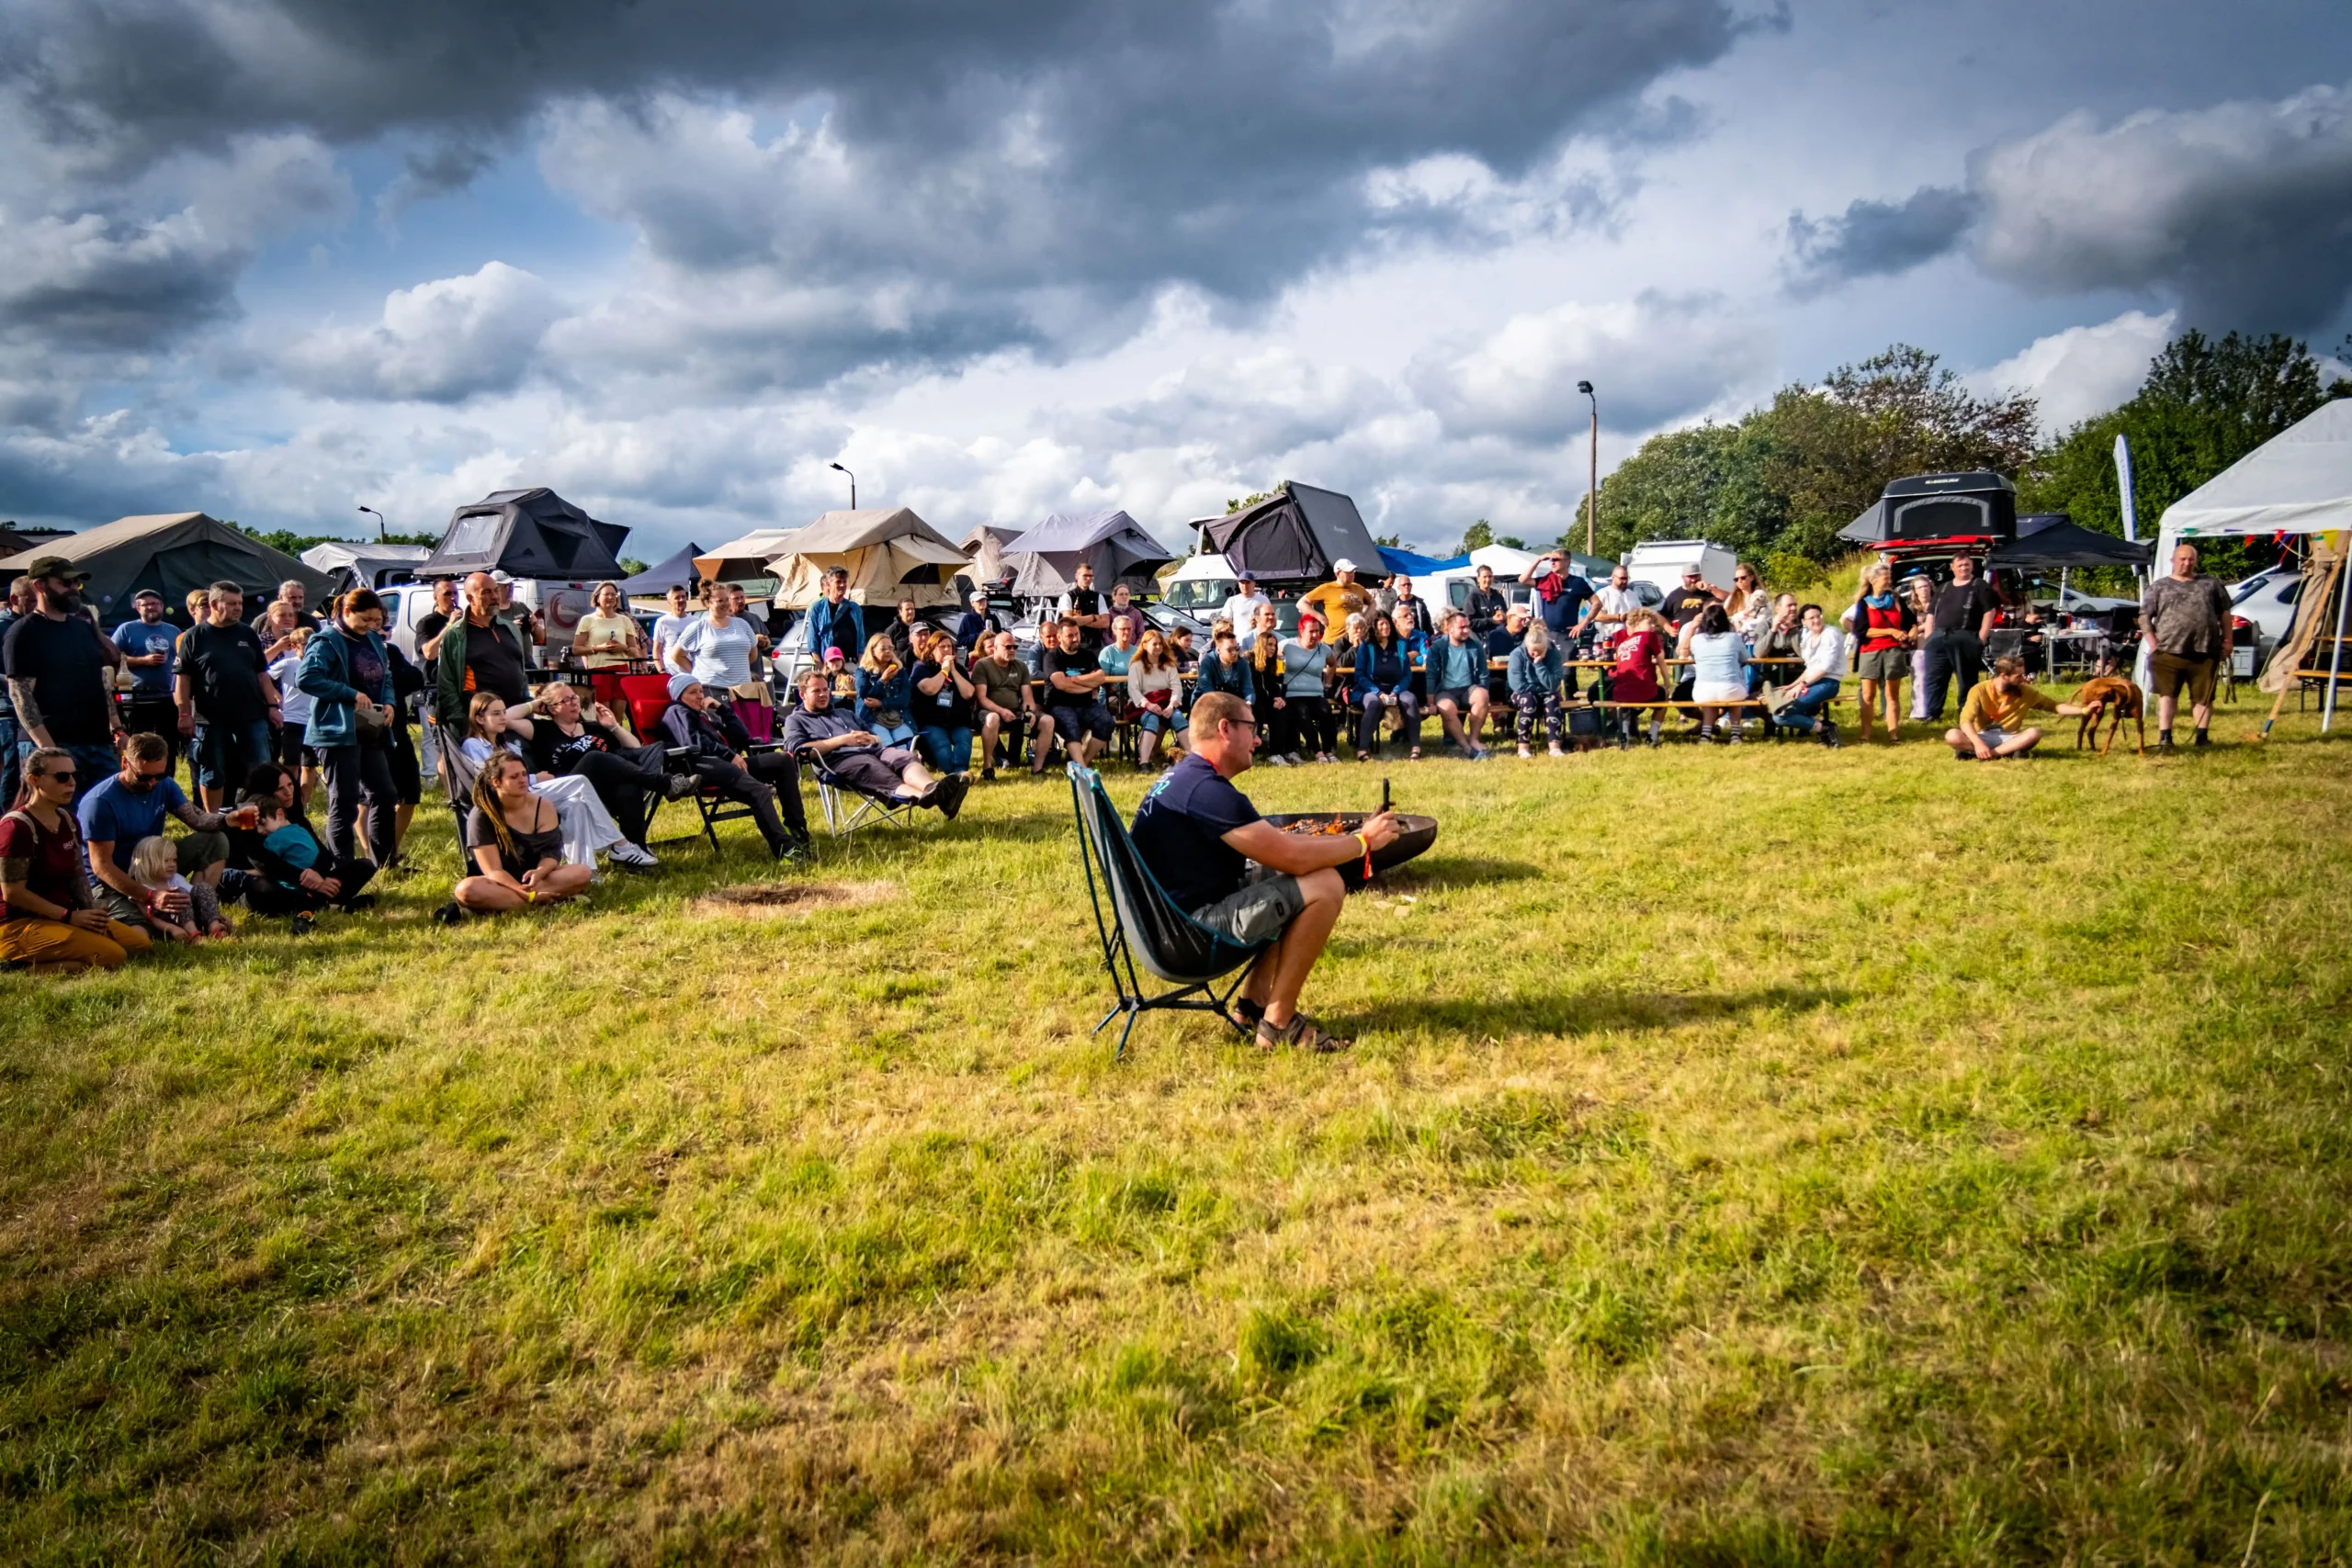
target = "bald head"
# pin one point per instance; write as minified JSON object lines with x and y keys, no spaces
{"x":482,"y":597}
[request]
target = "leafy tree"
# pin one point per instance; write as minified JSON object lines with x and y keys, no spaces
{"x":294,"y":544}
{"x":632,"y":566}
{"x":1476,"y":537}
{"x":1394,"y":541}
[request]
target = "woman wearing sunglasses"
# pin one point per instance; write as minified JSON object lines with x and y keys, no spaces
{"x":47,"y":917}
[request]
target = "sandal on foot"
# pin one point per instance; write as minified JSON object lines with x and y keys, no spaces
{"x":1246,"y":1010}
{"x":1301,"y":1031}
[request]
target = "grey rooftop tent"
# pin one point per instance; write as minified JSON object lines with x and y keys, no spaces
{"x":1045,"y":560}
{"x":363,"y":563}
{"x":526,"y":533}
{"x":1978,"y":507}
{"x":986,"y":544}
{"x":664,"y":575}
{"x":2048,"y":541}
{"x":170,"y":552}
{"x":1295,"y":536}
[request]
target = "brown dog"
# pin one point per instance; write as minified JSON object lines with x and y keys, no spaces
{"x":2110,"y":694}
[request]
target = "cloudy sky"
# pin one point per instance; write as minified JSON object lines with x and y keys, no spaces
{"x":275,"y":259}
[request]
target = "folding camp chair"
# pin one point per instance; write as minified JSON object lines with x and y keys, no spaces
{"x":1143,"y":925}
{"x":717,"y":807}
{"x":456,"y":773}
{"x":648,"y":697}
{"x":849,"y":806}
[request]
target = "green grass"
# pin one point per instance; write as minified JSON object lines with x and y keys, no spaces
{"x":1749,"y":1156}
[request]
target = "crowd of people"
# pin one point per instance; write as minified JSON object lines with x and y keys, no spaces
{"x":103,"y":854}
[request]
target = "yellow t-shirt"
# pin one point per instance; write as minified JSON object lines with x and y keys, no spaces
{"x":1335,"y":602}
{"x":1989,"y":707}
{"x":600,"y":639}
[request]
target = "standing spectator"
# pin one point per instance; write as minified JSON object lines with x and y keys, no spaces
{"x":1488,"y":608}
{"x":1682,"y":604}
{"x":883,"y":698}
{"x":47,"y":917}
{"x":1992,"y":719}
{"x":1457,"y":685}
{"x":21,"y":601}
{"x":1883,"y":628}
{"x":903,"y":634}
{"x":530,"y":632}
{"x":408,"y":776}
{"x":1612,"y":607}
{"x":2185,"y":620}
{"x":1242,"y":608}
{"x":1383,"y":683}
{"x":607,"y":637}
{"x":347,"y":675}
{"x":1718,"y":671}
{"x":739,"y":605}
{"x":1083,"y":607}
{"x":129,"y":805}
{"x":434,"y":622}
{"x":1919,"y":592}
{"x":671,"y":624}
{"x":1956,"y":630}
{"x":1008,"y":707}
{"x":836,"y":621}
{"x":1537,"y":667}
{"x":717,"y":649}
{"x":479,"y":652}
{"x":149,"y":644}
{"x":1560,"y":597}
{"x":1305,"y":705}
{"x":857,"y":756}
{"x":287,"y":744}
{"x":1823,"y":648}
{"x":1123,"y":608}
{"x":1074,"y":683}
{"x":1503,"y":641}
{"x":722,"y":759}
{"x":1399,"y":590}
{"x":942,"y":697}
{"x":1266,"y":679}
{"x":1156,"y":694}
{"x":1340,"y":598}
{"x":296,"y":598}
{"x":57,"y":666}
{"x":976,"y":624}
{"x":280,"y":630}
{"x":1638,"y":678}
{"x":517,"y":850}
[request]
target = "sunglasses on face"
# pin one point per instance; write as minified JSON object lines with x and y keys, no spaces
{"x":64,"y":775}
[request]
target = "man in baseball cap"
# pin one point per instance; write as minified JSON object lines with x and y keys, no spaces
{"x":57,"y":665}
{"x":148,"y":643}
{"x":1340,"y":597}
{"x":1242,"y":608}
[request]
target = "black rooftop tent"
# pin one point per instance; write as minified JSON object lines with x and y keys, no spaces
{"x":1295,"y":535}
{"x":662,"y":575}
{"x":1937,"y":506}
{"x":526,"y":533}
{"x":171,"y":552}
{"x":2050,"y":541}
{"x":1045,"y":560}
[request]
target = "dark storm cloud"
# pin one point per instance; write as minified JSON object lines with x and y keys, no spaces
{"x":1878,"y":239}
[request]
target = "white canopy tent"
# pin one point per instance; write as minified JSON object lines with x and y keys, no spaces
{"x":2299,"y":481}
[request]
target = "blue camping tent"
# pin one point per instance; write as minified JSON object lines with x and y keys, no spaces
{"x":1413,"y":565}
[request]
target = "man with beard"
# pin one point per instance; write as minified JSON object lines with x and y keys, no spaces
{"x":148,"y":644}
{"x":57,"y":663}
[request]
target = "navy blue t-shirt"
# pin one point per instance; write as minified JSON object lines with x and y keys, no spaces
{"x":1560,"y":614}
{"x":1180,"y":831}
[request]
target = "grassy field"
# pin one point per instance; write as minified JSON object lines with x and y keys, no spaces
{"x":1757,"y":1156}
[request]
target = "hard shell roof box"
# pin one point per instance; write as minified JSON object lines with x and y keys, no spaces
{"x":1938,"y":506}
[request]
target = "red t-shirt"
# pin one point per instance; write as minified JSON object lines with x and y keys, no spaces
{"x":1632,"y":680}
{"x":1881,"y":629}
{"x":53,"y":862}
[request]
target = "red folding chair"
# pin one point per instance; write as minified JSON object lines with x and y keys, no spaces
{"x":648,"y":697}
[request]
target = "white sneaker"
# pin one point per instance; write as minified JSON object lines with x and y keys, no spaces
{"x":1557,"y":753}
{"x":629,"y":854}
{"x":1524,"y":752}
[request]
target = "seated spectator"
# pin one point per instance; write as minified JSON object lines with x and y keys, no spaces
{"x":1305,"y":718}
{"x":1225,"y":669}
{"x":858,"y":757}
{"x":1779,"y":638}
{"x":1119,"y":652}
{"x":1537,"y":666}
{"x":720,"y":756}
{"x":1123,"y":608}
{"x":47,"y":917}
{"x":1382,"y":683}
{"x":517,"y":845}
{"x":841,"y":678}
{"x":588,"y":829}
{"x":883,"y":700}
{"x":1199,"y":836}
{"x":1007,"y":707}
{"x":1156,"y":694}
{"x":129,"y":805}
{"x":299,"y":876}
{"x":976,"y":625}
{"x":1502,"y":641}
{"x":175,"y":909}
{"x":1719,"y":674}
{"x":1074,"y":683}
{"x":1180,"y":645}
{"x":1823,"y":648}
{"x":944,"y":695}
{"x":628,"y":776}
{"x":1639,"y":675}
{"x":1457,"y":685}
{"x":1266,"y":678}
{"x":1992,"y":721}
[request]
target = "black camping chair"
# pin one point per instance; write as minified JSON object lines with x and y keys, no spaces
{"x":1144,"y":925}
{"x":457,"y":773}
{"x":848,"y":804}
{"x":715,"y":807}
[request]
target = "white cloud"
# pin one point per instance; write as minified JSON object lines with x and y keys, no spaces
{"x":2081,"y":371}
{"x":439,"y":342}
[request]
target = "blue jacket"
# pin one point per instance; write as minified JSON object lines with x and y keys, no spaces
{"x":822,"y":616}
{"x":1215,"y":675}
{"x":1529,"y":673}
{"x":1380,"y":670}
{"x":325,"y":676}
{"x":1453,"y":667}
{"x":897,"y":692}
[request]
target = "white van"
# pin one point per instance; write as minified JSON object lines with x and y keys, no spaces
{"x":558,"y":605}
{"x":1663,"y":562}
{"x":1200,"y":585}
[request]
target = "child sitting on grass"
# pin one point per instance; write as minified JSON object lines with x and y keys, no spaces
{"x":155,"y":866}
{"x":300,"y":875}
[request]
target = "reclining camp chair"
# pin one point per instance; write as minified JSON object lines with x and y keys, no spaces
{"x":456,"y":773}
{"x":849,"y":806}
{"x":1144,"y":925}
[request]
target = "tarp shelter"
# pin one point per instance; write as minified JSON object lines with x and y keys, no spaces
{"x":1295,"y":536}
{"x":986,"y":545}
{"x":529,"y":534}
{"x":2051,"y":541}
{"x":170,"y":552}
{"x":889,"y":555}
{"x":1413,"y":565}
{"x":1045,"y":560}
{"x":1923,"y":507}
{"x":363,"y":565}
{"x":741,"y":558}
{"x":662,"y":575}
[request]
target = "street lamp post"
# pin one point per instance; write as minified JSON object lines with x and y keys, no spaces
{"x":852,"y":484}
{"x":1592,"y":484}
{"x":380,"y":521}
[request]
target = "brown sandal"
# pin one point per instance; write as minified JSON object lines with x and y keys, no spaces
{"x":1301,"y":1031}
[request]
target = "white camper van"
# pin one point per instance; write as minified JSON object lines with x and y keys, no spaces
{"x":1663,"y":562}
{"x":1200,"y":585}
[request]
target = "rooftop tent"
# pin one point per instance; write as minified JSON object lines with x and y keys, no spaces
{"x":526,"y":533}
{"x":662,"y":575}
{"x":363,"y":564}
{"x":1937,"y":506}
{"x":888,"y":554}
{"x":744,"y":557}
{"x":1295,"y":535}
{"x":1413,"y":565}
{"x":986,"y":544}
{"x":1045,"y":560}
{"x":170,"y":552}
{"x":2050,"y":541}
{"x":2299,"y":481}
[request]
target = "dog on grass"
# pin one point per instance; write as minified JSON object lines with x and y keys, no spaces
{"x":2110,"y":695}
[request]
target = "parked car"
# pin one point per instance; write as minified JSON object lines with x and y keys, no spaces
{"x":1663,"y":562}
{"x":2268,"y":601}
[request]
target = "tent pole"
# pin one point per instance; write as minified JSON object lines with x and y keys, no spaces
{"x":2335,"y":655}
